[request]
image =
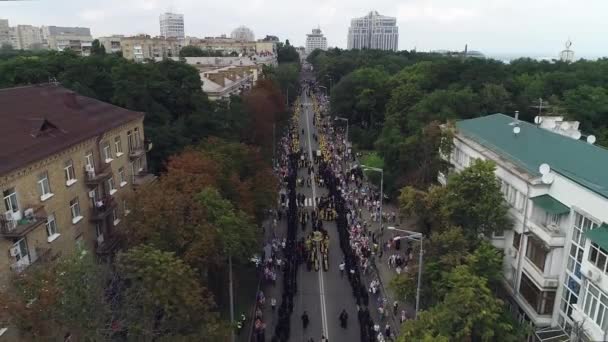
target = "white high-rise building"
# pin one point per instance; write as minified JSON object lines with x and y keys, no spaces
{"x":315,"y":40}
{"x":28,"y":37}
{"x":172,"y":25}
{"x":243,"y":34}
{"x":5,"y":37}
{"x":374,"y":31}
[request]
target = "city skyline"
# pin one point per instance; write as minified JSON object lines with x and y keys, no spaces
{"x":498,"y":27}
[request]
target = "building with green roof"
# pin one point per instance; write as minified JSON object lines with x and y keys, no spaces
{"x":555,"y":254}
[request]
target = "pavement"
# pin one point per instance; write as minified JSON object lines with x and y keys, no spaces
{"x":323,"y":295}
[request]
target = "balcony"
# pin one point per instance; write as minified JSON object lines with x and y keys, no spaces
{"x":94,"y":177}
{"x":107,"y":246}
{"x":17,"y":228}
{"x":139,"y":149}
{"x":143,"y":178}
{"x":103,"y":208}
{"x":41,"y":254}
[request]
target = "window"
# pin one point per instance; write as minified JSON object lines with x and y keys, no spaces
{"x":111,"y":186}
{"x":88,"y":160}
{"x":107,"y":153}
{"x":51,"y":228}
{"x":118,"y":146}
{"x":115,"y":218}
{"x":540,"y":301}
{"x":536,"y":252}
{"x":10,"y":200}
{"x":516,"y":240}
{"x":596,"y":306}
{"x":122,"y":176}
{"x":598,"y":256}
{"x":136,"y":137}
{"x":75,"y":210}
{"x":70,"y":177}
{"x":129,"y":141}
{"x":44,"y":186}
{"x":125,"y":207}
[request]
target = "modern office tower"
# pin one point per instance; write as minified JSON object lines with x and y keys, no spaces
{"x":172,"y":25}
{"x":373,"y":31}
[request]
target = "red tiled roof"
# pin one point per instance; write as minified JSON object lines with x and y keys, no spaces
{"x":41,"y":120}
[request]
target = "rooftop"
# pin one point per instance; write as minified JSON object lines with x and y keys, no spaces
{"x":577,"y":160}
{"x":41,"y":120}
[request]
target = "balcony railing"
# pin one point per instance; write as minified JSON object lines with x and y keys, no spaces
{"x":94,"y":177}
{"x":139,"y":149}
{"x":42,"y":254}
{"x":11,"y":228}
{"x":108,"y":246}
{"x":103,"y":208}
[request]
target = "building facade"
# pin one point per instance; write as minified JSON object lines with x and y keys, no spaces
{"x":172,"y":25}
{"x":224,"y":45}
{"x":243,"y":34}
{"x":220,"y":84}
{"x":555,"y":255}
{"x":69,"y":165}
{"x":77,"y":39}
{"x":315,"y":40}
{"x":112,"y":44}
{"x":144,"y":47}
{"x":373,"y":31}
{"x":5,"y":37}
{"x":28,"y":37}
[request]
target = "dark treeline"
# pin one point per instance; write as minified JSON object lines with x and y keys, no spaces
{"x":393,"y":99}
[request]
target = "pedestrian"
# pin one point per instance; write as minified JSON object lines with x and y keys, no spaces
{"x":342,"y":266}
{"x":387,"y":331}
{"x":324,"y":339}
{"x":395,"y":307}
{"x":343,"y":319}
{"x":305,"y":320}
{"x":273,"y":303}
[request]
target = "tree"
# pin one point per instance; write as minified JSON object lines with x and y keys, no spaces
{"x":287,"y":53}
{"x":191,"y":51}
{"x":163,"y":297}
{"x":97,"y":49}
{"x":475,"y":202}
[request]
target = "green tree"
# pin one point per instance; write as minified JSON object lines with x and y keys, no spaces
{"x":191,"y":51}
{"x":287,"y":53}
{"x":97,"y":49}
{"x":475,"y":202}
{"x":163,"y":297}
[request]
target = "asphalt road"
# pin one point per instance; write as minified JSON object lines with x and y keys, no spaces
{"x":323,"y":295}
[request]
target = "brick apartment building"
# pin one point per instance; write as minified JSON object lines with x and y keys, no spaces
{"x":67,"y":163}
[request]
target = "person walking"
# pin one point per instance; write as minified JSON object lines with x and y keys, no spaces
{"x":343,"y":319}
{"x":324,"y":339}
{"x":342,"y":266}
{"x":305,"y":320}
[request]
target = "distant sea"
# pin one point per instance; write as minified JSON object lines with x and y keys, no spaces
{"x":507,"y":57}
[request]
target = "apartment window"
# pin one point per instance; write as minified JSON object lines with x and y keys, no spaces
{"x":540,"y":301}
{"x":44,"y":186}
{"x":122,"y":176}
{"x":596,"y":306}
{"x":107,"y":153}
{"x":10,"y":200}
{"x":536,"y":252}
{"x":75,"y":210}
{"x":129,"y":141}
{"x":88,"y":160}
{"x":70,"y":176}
{"x":516,"y":240}
{"x":598,"y":256}
{"x":51,"y":228}
{"x":111,"y":186}
{"x":118,"y":146}
{"x":125,"y":207}
{"x":115,"y":218}
{"x":136,"y":137}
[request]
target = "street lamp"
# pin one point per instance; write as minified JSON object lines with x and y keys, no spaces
{"x":416,"y":236}
{"x":376,"y":169}
{"x":343,"y":119}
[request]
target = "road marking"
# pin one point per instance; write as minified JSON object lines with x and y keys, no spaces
{"x":320,"y":273}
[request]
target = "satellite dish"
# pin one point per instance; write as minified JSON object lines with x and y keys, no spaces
{"x":516,"y":129}
{"x":591,"y":139}
{"x":565,"y":126}
{"x":577,"y":135}
{"x":544,"y":169}
{"x":538,"y":120}
{"x":547,"y":178}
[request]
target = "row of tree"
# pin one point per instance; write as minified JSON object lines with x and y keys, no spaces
{"x":215,"y":185}
{"x":389,"y":97}
{"x":462,"y":271}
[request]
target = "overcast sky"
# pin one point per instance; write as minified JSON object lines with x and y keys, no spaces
{"x":520,"y":27}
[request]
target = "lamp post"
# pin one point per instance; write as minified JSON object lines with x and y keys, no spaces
{"x":415,"y":236}
{"x":377,"y":169}
{"x":343,"y":119}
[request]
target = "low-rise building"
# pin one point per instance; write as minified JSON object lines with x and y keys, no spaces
{"x":112,"y":44}
{"x":77,"y":39}
{"x":224,"y":45}
{"x":555,"y":255}
{"x":67,"y":165}
{"x":143,"y":47}
{"x":233,"y":80}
